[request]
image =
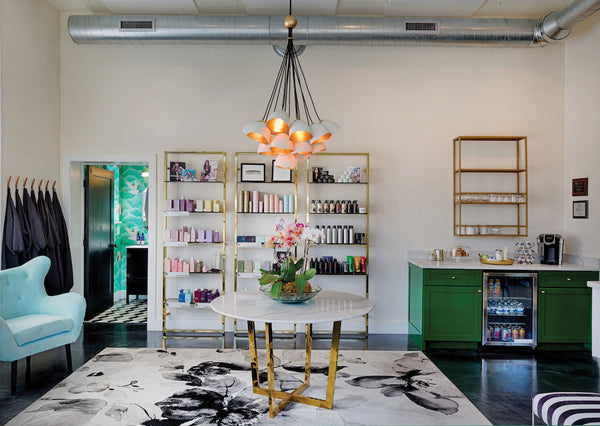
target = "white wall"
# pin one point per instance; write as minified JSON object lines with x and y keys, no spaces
{"x":30,"y":90}
{"x":403,"y":105}
{"x":582,"y":135}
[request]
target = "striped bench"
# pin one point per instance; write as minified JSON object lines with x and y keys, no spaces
{"x":566,"y":408}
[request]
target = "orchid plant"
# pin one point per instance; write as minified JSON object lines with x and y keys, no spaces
{"x":288,"y":236}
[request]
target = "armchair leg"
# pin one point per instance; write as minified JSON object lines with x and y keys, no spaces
{"x":28,"y":372}
{"x":13,"y":377}
{"x":69,"y":361}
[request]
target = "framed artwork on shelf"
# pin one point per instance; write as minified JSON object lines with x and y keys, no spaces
{"x":580,"y":209}
{"x":252,"y":172}
{"x":176,"y":170}
{"x":580,"y":187}
{"x":280,"y":175}
{"x":188,"y":175}
{"x":209,"y":171}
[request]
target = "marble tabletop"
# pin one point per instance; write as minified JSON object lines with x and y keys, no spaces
{"x":476,"y":264}
{"x":326,"y":306}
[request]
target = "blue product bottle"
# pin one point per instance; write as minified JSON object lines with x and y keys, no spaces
{"x":188,"y":296}
{"x":142,"y":239}
{"x":137,"y":239}
{"x":181,"y":296}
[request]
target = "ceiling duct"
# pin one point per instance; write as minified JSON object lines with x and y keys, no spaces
{"x":318,"y":30}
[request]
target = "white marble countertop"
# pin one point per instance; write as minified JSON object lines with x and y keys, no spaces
{"x":594,"y":284}
{"x":476,"y":264}
{"x":326,"y":306}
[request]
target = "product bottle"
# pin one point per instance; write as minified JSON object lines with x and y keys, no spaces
{"x":142,"y":239}
{"x":326,"y":207}
{"x":328,"y":235}
{"x":355,"y":206}
{"x":331,"y":206}
{"x":345,"y":234}
{"x":338,"y":207}
{"x":340,"y":233}
{"x":351,"y":234}
{"x":344,"y":207}
{"x":313,"y":207}
{"x":137,"y":239}
{"x":319,"y":207}
{"x":334,"y":235}
{"x":350,"y":207}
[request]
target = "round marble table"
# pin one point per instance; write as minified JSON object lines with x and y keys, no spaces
{"x":327,"y":306}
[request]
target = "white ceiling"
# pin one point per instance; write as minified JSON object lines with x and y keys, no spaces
{"x":442,"y":8}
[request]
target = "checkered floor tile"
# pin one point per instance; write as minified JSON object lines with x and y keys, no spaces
{"x":121,"y":312}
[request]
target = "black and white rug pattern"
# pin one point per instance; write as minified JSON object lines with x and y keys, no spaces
{"x":209,"y":386}
{"x":122,"y":313}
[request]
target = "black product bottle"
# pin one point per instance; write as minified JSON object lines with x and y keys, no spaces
{"x":355,"y":206}
{"x":330,"y":267}
{"x":335,"y":267}
{"x":350,"y":207}
{"x":338,"y":207}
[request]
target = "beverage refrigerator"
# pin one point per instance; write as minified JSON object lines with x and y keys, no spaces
{"x":509,"y":309}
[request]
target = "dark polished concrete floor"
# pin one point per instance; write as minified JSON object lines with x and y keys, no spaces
{"x":500,"y":384}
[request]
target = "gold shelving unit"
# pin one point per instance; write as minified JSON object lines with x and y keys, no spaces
{"x":198,"y":156}
{"x":363,"y":217}
{"x":506,"y":161}
{"x":253,"y":157}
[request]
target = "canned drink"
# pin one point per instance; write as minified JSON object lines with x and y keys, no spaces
{"x":521,"y":333}
{"x":488,"y":334}
{"x":515,"y":333}
{"x":504,"y":335}
{"x":497,"y":332}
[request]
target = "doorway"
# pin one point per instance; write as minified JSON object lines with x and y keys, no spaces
{"x":74,"y":168}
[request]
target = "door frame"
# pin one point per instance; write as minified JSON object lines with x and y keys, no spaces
{"x":73,"y":201}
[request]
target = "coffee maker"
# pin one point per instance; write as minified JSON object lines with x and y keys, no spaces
{"x":550,"y":248}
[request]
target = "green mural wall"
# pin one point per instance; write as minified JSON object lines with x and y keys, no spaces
{"x":129,"y":187}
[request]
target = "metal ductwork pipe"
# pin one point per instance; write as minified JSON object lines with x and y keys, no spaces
{"x":317,"y":30}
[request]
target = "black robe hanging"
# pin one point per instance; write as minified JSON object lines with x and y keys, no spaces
{"x":25,"y":229}
{"x":12,"y":238}
{"x":65,"y":249}
{"x":53,"y":279}
{"x":38,"y":237}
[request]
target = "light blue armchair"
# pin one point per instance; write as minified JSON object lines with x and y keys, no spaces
{"x":31,"y":321}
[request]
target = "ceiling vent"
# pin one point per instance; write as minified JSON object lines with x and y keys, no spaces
{"x":422,"y":27}
{"x":137,"y":24}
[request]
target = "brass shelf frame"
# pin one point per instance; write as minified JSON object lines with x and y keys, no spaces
{"x":171,"y":333}
{"x":257,"y":158}
{"x":520,"y":227}
{"x":364,"y":334}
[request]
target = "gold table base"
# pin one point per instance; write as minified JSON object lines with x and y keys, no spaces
{"x":294,"y":396}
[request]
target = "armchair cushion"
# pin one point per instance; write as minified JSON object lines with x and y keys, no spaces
{"x":30,"y":328}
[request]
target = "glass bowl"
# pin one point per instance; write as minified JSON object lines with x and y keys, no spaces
{"x":290,"y":297}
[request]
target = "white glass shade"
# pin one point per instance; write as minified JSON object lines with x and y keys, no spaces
{"x":278,"y":121}
{"x":285,"y":161}
{"x":302,"y":148}
{"x":258,"y":131}
{"x":330,"y":125}
{"x":320,"y":133}
{"x":281,"y":144}
{"x":300,"y":131}
{"x":318,"y":147}
{"x":264,"y":149}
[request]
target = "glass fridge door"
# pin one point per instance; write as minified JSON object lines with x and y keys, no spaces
{"x":509,"y":309}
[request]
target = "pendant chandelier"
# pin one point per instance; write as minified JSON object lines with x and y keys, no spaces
{"x":277,"y":134}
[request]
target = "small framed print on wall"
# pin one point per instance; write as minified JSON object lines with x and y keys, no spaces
{"x":580,"y":209}
{"x":580,"y":187}
{"x":252,"y":172}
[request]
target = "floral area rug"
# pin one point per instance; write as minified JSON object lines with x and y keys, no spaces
{"x":209,"y":386}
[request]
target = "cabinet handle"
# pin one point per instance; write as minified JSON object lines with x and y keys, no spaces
{"x":568,"y":279}
{"x":479,"y":291}
{"x":453,"y":278}
{"x":543,"y":291}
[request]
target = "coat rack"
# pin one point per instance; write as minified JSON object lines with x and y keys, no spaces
{"x":32,"y":182}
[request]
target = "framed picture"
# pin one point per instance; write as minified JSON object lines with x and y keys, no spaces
{"x":354,"y":172}
{"x":188,"y":175}
{"x":176,"y":170}
{"x":580,"y":209}
{"x":252,"y":172}
{"x":209,"y":171}
{"x":280,"y":175}
{"x":580,"y":187}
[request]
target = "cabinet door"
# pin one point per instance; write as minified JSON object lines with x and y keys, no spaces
{"x":564,"y":315}
{"x":452,"y":313}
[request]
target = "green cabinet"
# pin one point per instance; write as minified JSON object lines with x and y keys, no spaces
{"x":565,"y":307}
{"x":445,"y":307}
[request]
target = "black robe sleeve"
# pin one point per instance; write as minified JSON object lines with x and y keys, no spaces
{"x":65,"y":249}
{"x":38,"y":237}
{"x":12,"y":238}
{"x":25,"y":230}
{"x":52,"y":281}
